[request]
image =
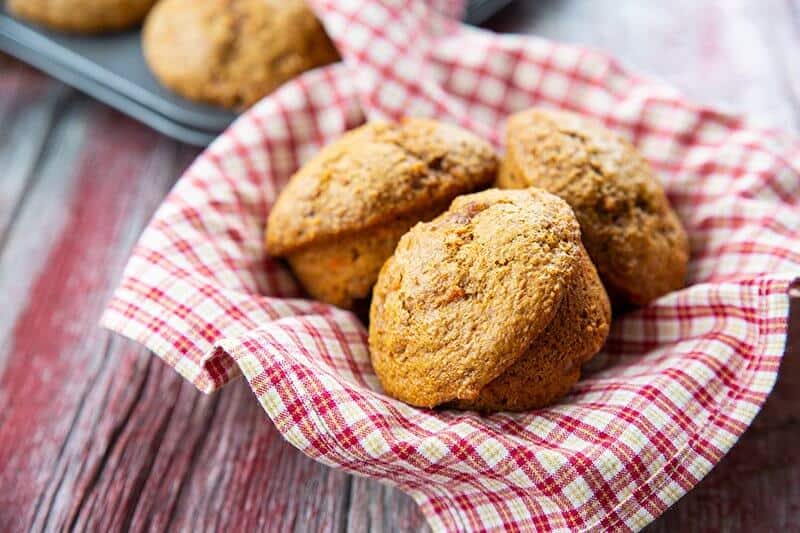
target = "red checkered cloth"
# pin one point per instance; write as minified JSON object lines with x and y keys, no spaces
{"x":678,"y":381}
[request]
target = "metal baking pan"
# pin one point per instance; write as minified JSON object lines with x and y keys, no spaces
{"x":112,"y":69}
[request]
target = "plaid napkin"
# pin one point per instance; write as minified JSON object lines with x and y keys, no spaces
{"x":678,"y":381}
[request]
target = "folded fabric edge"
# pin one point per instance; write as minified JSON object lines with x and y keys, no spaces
{"x":197,"y":374}
{"x":647,"y":501}
{"x":196,"y":357}
{"x":242,"y":356}
{"x":654,"y":497}
{"x":656,"y":491}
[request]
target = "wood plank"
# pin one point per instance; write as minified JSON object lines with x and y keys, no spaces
{"x":37,"y":223}
{"x":55,"y":348}
{"x":376,"y":507}
{"x":23,"y":88}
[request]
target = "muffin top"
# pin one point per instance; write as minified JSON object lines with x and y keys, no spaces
{"x":375,"y":173}
{"x":634,"y":237}
{"x":464,"y":295}
{"x":580,"y":160}
{"x":82,"y":16}
{"x":233,"y":52}
{"x":551,"y":364}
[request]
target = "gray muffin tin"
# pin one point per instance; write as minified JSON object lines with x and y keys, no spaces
{"x":112,"y":69}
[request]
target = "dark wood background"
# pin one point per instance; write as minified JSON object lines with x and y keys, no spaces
{"x":95,"y":433}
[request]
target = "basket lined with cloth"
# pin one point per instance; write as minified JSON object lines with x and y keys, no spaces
{"x":678,"y":380}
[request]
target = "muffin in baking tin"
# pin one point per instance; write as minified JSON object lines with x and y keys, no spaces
{"x":232,"y":53}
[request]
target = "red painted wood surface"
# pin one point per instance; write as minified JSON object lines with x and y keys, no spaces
{"x":96,"y":434}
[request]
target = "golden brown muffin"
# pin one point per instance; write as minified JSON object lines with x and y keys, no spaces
{"x":233,"y":52}
{"x":630,"y":231}
{"x":341,"y":215}
{"x":552,"y":363}
{"x":82,"y":16}
{"x":465,"y":295}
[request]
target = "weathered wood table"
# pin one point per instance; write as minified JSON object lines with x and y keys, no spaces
{"x":97,"y":434}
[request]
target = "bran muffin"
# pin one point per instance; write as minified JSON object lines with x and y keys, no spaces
{"x":552,"y":363}
{"x":341,"y":215}
{"x":464,"y":296}
{"x":629,"y":229}
{"x":233,"y":52}
{"x":82,"y":16}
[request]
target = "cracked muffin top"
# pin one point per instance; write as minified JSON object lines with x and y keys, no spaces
{"x":374,"y":174}
{"x":233,"y":52}
{"x":629,"y":228}
{"x":465,"y":294}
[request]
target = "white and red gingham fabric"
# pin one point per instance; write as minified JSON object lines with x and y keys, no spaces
{"x":678,"y":381}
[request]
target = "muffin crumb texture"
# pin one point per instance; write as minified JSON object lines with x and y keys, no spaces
{"x":467,"y":295}
{"x":341,"y":215}
{"x":233,"y":52}
{"x":629,"y":229}
{"x":551,"y":365}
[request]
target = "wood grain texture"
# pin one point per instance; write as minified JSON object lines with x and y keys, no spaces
{"x":96,"y":434}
